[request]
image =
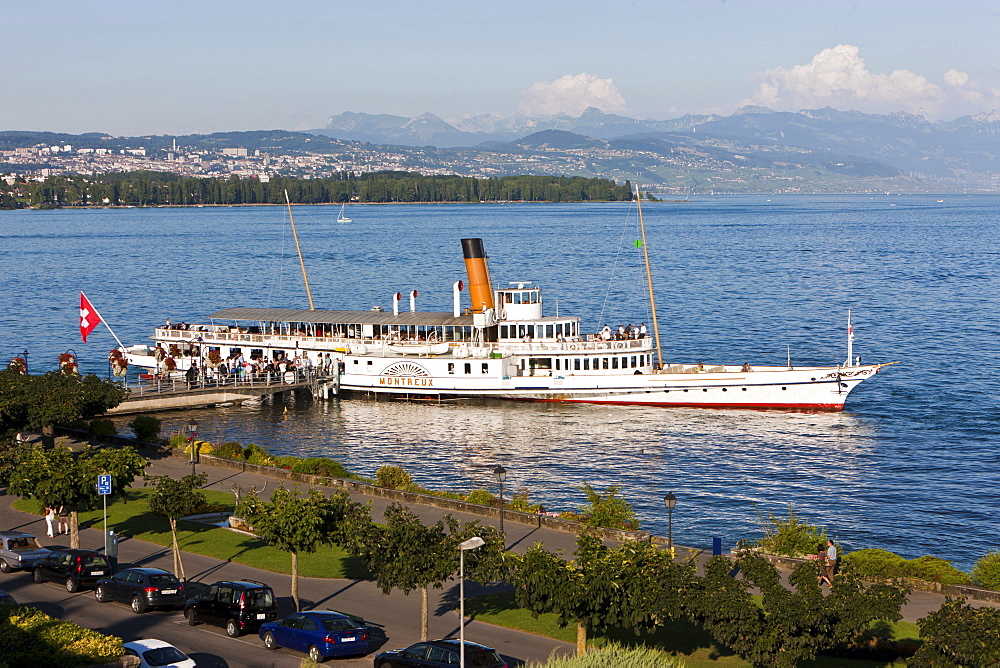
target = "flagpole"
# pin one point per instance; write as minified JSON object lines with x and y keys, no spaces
{"x":97,"y":313}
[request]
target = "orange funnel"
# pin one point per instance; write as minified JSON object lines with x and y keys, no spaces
{"x":480,"y":291}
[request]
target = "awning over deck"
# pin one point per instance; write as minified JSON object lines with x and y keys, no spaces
{"x":343,"y":317}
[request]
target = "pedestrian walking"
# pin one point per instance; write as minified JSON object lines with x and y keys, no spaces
{"x":821,"y":561}
{"x":63,"y":519}
{"x":50,"y":521}
{"x":831,"y":561}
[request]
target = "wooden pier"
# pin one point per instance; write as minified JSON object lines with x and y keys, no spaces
{"x":162,"y":394}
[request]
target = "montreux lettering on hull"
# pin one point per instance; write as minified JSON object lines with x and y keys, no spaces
{"x":407,"y":381}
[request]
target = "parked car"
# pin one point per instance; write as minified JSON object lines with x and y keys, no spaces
{"x":19,"y":550}
{"x":440,"y":653}
{"x":142,"y":588}
{"x":238,"y":606}
{"x":158,"y":653}
{"x":74,"y":567}
{"x":321,"y":634}
{"x":6,"y":599}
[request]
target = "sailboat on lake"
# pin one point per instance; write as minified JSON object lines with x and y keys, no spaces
{"x":342,"y":218}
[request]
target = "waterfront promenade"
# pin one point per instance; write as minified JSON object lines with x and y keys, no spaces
{"x":399,"y":614}
{"x":519,"y":536}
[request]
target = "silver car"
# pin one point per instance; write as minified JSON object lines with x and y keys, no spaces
{"x":20,"y":551}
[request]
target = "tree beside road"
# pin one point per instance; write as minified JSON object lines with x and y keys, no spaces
{"x":405,"y":554}
{"x":296,"y":523}
{"x":175,"y":499}
{"x":59,"y":477}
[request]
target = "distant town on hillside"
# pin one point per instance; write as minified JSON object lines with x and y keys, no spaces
{"x":754,"y":150}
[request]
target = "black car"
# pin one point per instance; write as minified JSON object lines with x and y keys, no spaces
{"x":142,"y":588}
{"x":442,"y":653}
{"x":237,"y":605}
{"x":75,"y":568}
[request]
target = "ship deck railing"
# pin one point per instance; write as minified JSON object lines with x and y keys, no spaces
{"x":200,"y":337}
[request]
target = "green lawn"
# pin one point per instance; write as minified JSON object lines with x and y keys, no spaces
{"x":681,"y":638}
{"x":131,"y":518}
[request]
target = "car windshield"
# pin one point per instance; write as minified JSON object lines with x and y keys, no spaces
{"x":162,"y":580}
{"x":260,"y":598}
{"x":482,"y":658}
{"x":338,"y":624}
{"x":163,"y":656}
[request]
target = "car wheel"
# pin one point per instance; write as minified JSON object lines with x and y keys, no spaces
{"x":191,"y":616}
{"x":232,"y":629}
{"x":4,"y":566}
{"x":314,"y":654}
{"x":269,"y":641}
{"x":138,"y":605}
{"x":71,"y":584}
{"x":100,"y":594}
{"x":37,"y":575}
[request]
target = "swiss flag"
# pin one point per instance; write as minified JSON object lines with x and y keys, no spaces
{"x":89,"y":318}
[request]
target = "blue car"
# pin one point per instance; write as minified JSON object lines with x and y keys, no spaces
{"x":319,"y":633}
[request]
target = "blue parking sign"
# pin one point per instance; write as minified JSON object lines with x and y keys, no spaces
{"x":104,"y":484}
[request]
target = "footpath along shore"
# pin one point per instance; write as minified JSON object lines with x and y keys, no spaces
{"x":400,"y":614}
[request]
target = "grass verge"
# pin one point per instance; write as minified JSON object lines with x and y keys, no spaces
{"x":131,"y":517}
{"x":680,"y":639}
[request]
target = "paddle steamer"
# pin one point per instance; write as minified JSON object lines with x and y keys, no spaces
{"x":500,"y":346}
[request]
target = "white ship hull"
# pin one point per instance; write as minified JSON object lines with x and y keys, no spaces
{"x":507,"y":350}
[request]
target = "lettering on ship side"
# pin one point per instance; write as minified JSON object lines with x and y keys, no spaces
{"x":406,"y":374}
{"x":847,"y":374}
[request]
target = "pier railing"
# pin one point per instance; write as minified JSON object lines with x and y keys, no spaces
{"x":162,"y":384}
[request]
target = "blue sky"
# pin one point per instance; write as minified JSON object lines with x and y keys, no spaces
{"x":180,"y":66}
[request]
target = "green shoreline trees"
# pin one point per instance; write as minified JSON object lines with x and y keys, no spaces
{"x":144,"y":188}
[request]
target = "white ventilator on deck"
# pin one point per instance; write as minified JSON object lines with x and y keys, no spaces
{"x":456,"y":291}
{"x":395,"y":302}
{"x":850,"y":341}
{"x":413,"y":301}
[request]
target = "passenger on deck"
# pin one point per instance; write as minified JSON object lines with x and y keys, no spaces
{"x":642,"y":330}
{"x":701,"y":367}
{"x":746,"y":367}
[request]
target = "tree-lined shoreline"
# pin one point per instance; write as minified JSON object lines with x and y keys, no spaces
{"x":154,"y":189}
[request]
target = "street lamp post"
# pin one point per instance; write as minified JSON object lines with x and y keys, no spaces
{"x":501,"y":474}
{"x":192,"y":429}
{"x":670,"y":501}
{"x":470,"y":544}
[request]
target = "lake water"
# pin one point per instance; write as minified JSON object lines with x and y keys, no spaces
{"x":910,"y":465}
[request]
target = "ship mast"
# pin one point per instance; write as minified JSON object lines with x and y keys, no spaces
{"x":302,"y":263}
{"x":649,"y":278}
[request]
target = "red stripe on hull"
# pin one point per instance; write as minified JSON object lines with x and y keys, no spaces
{"x":826,"y":408}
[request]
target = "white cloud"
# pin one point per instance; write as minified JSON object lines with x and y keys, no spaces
{"x":955,"y":78}
{"x":571,"y":94}
{"x":839,"y":78}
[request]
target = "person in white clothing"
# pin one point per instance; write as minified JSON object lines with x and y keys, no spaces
{"x":50,"y":520}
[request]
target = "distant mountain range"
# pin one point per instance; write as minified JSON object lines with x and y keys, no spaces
{"x":753,"y":150}
{"x":900,"y":143}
